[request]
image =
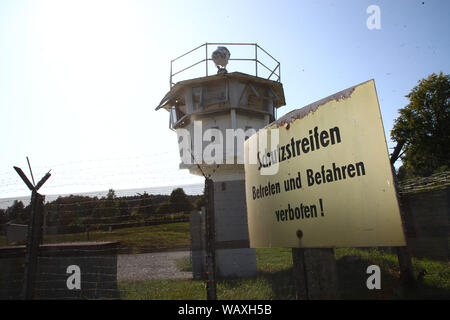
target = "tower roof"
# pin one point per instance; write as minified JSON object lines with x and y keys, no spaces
{"x":178,"y":88}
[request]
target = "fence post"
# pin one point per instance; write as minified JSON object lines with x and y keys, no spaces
{"x":403,"y":253}
{"x":34,"y":234}
{"x":211,"y":293}
{"x":404,"y":259}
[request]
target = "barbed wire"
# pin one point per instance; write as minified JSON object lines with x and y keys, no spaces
{"x":150,"y":187}
{"x":86,"y":161}
{"x":103,"y":173}
{"x":100,"y":201}
{"x":137,"y":176}
{"x":93,"y":224}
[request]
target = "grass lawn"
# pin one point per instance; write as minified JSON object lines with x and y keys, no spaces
{"x":137,"y":239}
{"x":272,"y":282}
{"x":274,"y":279}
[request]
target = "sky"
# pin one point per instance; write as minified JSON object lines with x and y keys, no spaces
{"x":80,"y":80}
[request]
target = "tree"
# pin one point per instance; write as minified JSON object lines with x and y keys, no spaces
{"x":163,"y":208}
{"x":422,"y":131}
{"x":106,"y":208}
{"x":124,"y":209}
{"x":15,"y":211}
{"x":146,"y":207}
{"x":200,"y":202}
{"x":26,"y":214}
{"x":111,"y":195}
{"x":179,"y":201}
{"x":3,"y":217}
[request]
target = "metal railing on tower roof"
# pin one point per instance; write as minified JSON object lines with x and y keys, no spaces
{"x":275,"y":72}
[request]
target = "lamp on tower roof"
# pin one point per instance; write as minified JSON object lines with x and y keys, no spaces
{"x":220,"y":57}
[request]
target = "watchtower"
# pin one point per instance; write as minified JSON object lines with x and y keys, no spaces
{"x":213,"y":115}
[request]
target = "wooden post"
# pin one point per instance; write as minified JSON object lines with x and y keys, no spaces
{"x":299,"y":271}
{"x":315,"y":274}
{"x":403,"y":253}
{"x":210,"y":229}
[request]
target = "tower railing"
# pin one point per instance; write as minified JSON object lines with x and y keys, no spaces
{"x":275,"y":72}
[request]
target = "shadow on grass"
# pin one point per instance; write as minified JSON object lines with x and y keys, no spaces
{"x":283,"y":286}
{"x":265,"y":285}
{"x":352,"y":279}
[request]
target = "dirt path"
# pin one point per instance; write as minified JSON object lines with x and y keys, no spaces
{"x":146,"y":266}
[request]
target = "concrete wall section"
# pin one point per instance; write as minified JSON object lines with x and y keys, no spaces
{"x":16,"y":233}
{"x":236,"y":262}
{"x":97,"y":263}
{"x":427,"y":217}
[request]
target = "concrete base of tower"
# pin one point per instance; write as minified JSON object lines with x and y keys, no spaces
{"x":235,"y":263}
{"x":233,"y":255}
{"x":234,"y":258}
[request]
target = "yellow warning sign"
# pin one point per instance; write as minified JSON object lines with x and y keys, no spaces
{"x":324,"y":178}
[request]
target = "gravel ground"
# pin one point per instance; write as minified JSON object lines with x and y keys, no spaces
{"x":146,"y":266}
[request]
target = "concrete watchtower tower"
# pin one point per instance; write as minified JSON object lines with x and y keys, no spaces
{"x":213,"y":115}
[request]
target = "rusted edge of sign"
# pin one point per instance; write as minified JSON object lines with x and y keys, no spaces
{"x":290,"y":117}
